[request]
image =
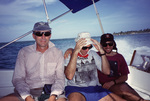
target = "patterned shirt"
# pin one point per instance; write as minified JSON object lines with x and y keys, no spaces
{"x":86,"y":70}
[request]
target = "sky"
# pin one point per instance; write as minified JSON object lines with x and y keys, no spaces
{"x":18,"y":17}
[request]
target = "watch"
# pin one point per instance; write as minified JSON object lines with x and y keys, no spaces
{"x":102,"y":54}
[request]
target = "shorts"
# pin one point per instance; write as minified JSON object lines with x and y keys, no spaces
{"x":91,"y":93}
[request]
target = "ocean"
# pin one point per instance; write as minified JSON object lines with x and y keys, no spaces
{"x":126,"y":44}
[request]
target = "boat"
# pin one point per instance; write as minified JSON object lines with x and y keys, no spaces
{"x":137,"y":79}
{"x":139,"y":66}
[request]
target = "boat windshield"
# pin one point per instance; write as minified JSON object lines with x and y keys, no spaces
{"x":141,"y":60}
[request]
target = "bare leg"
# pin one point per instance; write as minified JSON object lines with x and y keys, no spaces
{"x":76,"y":97}
{"x":10,"y":97}
{"x":112,"y":97}
{"x":61,"y":99}
{"x":126,"y":92}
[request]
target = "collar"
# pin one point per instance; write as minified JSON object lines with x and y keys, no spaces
{"x":85,"y":56}
{"x":50,"y":45}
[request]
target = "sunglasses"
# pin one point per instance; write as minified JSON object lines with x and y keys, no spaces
{"x":41,"y":33}
{"x":84,"y":48}
{"x":105,"y":44}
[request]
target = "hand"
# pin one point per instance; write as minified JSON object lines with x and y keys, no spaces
{"x":52,"y":98}
{"x":68,"y":52}
{"x":98,"y":46}
{"x":79,"y":45}
{"x":29,"y":98}
{"x":107,"y":85}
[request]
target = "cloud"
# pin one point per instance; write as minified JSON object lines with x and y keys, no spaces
{"x":21,"y":9}
{"x":18,"y":16}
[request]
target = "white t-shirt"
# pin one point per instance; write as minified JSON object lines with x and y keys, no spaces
{"x":86,"y":70}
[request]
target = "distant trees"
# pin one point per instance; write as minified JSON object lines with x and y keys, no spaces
{"x":133,"y":32}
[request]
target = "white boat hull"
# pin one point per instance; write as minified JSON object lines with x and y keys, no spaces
{"x":138,"y":79}
{"x":6,"y":86}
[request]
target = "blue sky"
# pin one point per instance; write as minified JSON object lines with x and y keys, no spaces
{"x":18,"y":17}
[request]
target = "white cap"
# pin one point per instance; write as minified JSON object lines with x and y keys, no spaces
{"x":85,"y":35}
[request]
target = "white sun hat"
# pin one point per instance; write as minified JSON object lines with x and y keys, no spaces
{"x":85,"y":35}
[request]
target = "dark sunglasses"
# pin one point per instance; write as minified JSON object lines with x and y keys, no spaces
{"x":105,"y":44}
{"x":41,"y":33}
{"x":84,"y":48}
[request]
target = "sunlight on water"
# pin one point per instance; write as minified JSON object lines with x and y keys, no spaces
{"x":125,"y":49}
{"x":126,"y":44}
{"x":144,"y":49}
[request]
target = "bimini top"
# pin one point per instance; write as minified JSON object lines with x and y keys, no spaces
{"x":77,"y":5}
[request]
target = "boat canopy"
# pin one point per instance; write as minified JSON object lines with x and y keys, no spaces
{"x":77,"y":5}
{"x":73,"y":5}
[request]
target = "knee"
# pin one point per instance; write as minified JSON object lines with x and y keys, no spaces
{"x":124,"y":88}
{"x":76,"y":97}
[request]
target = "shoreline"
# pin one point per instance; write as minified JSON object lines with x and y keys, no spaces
{"x":145,"y":31}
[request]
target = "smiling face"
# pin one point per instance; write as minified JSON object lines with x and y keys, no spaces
{"x":108,"y":46}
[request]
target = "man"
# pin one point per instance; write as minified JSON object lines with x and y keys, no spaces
{"x":38,"y":65}
{"x":81,"y":72}
{"x":116,"y":81}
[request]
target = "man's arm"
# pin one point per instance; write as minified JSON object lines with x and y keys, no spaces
{"x":19,"y":76}
{"x":71,"y":67}
{"x":105,"y":63}
{"x":121,"y":79}
{"x":29,"y":98}
{"x":59,"y":77}
{"x":68,"y":52}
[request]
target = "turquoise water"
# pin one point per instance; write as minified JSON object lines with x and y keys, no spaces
{"x":126,"y":45}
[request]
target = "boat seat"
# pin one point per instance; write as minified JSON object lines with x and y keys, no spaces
{"x":6,"y":86}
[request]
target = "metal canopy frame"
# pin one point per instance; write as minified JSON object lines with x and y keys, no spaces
{"x":74,"y":6}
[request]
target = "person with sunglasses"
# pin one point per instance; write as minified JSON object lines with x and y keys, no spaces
{"x":39,"y":71}
{"x":116,"y":80}
{"x":81,"y":72}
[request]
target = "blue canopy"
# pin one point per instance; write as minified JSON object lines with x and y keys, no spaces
{"x":77,"y":5}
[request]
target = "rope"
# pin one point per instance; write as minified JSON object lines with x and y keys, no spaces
{"x":16,"y":39}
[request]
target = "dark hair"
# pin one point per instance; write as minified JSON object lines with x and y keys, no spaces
{"x":115,"y":46}
{"x":108,"y":37}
